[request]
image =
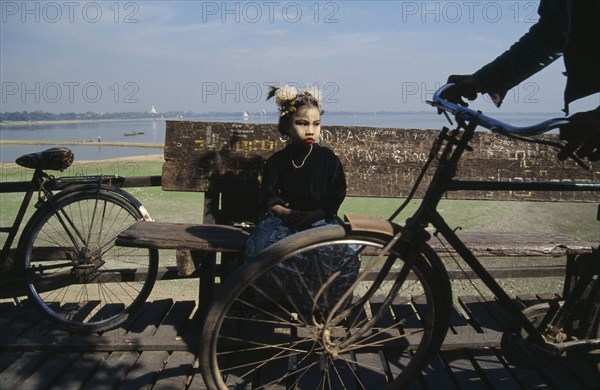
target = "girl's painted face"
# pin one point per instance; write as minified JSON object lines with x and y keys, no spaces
{"x":306,"y":125}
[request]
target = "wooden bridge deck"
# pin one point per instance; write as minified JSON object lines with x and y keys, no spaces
{"x":157,"y":350}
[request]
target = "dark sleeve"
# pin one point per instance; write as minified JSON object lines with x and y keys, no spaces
{"x":270,"y":195}
{"x":335,"y":192}
{"x":538,"y":48}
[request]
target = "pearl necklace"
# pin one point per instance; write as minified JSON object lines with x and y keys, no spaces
{"x":303,"y":161}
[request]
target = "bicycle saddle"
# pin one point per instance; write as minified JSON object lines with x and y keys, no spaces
{"x":55,"y":159}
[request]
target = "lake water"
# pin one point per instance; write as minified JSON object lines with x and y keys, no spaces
{"x":154,"y":132}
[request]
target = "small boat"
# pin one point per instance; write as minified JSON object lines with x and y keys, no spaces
{"x":130,"y":133}
{"x":246,"y":115}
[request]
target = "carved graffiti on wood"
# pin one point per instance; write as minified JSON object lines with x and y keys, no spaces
{"x":381,"y":162}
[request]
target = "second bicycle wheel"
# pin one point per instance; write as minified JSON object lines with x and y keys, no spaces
{"x":76,"y":275}
{"x":326,"y":309}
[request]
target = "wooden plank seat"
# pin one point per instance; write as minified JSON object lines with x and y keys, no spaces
{"x":198,"y":239}
{"x":224,"y":161}
{"x":225,"y":238}
{"x":165,"y":235}
{"x":230,"y":239}
{"x":506,"y":244}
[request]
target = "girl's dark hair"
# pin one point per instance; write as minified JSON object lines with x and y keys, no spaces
{"x":287,"y":113}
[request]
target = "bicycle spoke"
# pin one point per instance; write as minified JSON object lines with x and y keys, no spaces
{"x":305,"y":319}
{"x":72,"y":251}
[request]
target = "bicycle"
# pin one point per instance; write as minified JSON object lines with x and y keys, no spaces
{"x":65,"y":260}
{"x":300,"y":335}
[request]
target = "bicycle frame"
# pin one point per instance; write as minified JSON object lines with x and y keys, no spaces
{"x":66,"y":261}
{"x":12,"y":230}
{"x":450,"y":145}
{"x":45,"y":185}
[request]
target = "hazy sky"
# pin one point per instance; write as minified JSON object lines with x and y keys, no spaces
{"x":202,"y":56}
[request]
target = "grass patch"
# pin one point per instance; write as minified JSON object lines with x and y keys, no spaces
{"x":575,"y":219}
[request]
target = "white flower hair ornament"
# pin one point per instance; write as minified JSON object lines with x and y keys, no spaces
{"x":288,"y":96}
{"x":285,"y":94}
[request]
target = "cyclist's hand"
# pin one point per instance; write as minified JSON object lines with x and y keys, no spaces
{"x":465,"y":86}
{"x":582,"y":135}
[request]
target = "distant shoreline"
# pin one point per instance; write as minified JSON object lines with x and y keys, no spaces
{"x":77,"y":121}
{"x":81,"y":143}
{"x":158,"y":158}
{"x":230,"y":117}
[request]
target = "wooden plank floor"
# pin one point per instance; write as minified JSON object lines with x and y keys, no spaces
{"x":157,"y":350}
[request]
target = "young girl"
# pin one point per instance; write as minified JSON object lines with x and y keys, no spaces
{"x":303,"y":186}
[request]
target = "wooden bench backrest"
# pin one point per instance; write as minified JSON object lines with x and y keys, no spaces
{"x":379,"y":162}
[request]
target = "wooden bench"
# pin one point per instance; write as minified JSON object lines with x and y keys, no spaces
{"x":224,"y":161}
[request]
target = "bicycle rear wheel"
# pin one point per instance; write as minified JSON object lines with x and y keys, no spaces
{"x":298,"y":315}
{"x":77,"y":277}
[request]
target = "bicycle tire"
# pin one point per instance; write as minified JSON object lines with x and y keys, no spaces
{"x":76,"y":275}
{"x":257,"y":332}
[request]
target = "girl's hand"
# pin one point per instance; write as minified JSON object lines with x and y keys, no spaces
{"x":289,"y":217}
{"x":297,"y":219}
{"x":309,"y":218}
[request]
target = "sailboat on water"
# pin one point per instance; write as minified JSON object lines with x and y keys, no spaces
{"x":246,"y":115}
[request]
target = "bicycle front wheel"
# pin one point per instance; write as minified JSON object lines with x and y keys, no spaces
{"x":326,"y":309}
{"x":76,"y":275}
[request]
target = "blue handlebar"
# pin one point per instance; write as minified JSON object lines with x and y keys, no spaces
{"x":489,"y":122}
